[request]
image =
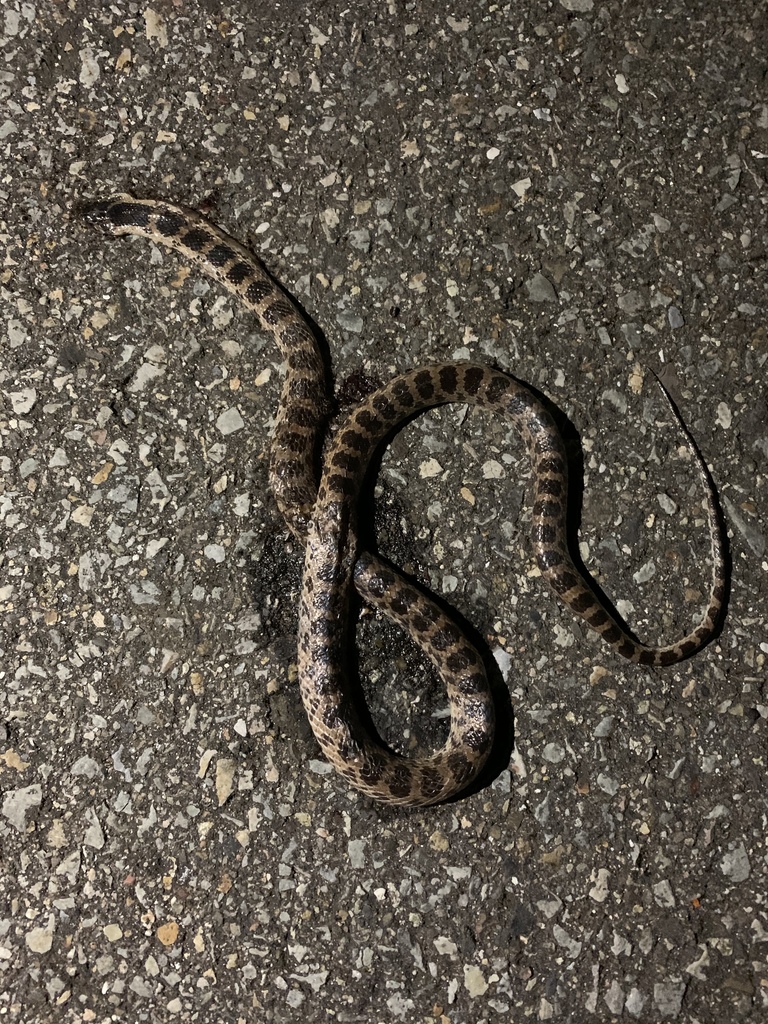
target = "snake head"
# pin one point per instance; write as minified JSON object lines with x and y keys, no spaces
{"x":117,"y":215}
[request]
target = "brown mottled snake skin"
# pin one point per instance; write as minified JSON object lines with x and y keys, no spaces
{"x":324,"y":517}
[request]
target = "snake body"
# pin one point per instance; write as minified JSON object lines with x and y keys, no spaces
{"x":324,"y":517}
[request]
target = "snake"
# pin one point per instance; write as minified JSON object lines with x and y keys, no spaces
{"x":316,"y":478}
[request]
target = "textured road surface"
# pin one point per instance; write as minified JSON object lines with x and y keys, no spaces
{"x":573,"y":191}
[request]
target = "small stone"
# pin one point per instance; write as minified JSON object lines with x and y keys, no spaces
{"x":360,"y":239}
{"x":644,"y":573}
{"x":153,"y":546}
{"x":492,"y":470}
{"x":356,"y":851}
{"x":94,"y":834}
{"x":430,"y":468}
{"x":350,"y":322}
{"x":225,"y":774}
{"x":604,"y":728}
{"x":696,"y":967}
{"x":17,"y":802}
{"x":668,"y":997}
{"x":724,"y":416}
{"x":168,"y":933}
{"x":474,"y":981}
{"x":40,"y":940}
{"x":22,"y":401}
{"x":675,"y":318}
{"x":439,"y":841}
{"x":662,"y":893}
{"x":563,"y":939}
{"x":607,"y":784}
{"x":614,"y":998}
{"x":553,"y":752}
{"x":631,"y":302}
{"x":599,"y":891}
{"x":635,"y":1002}
{"x":58,"y":459}
{"x":230,"y":421}
{"x":540,"y":289}
{"x":86,"y":766}
{"x":145,"y":373}
{"x":735,"y":864}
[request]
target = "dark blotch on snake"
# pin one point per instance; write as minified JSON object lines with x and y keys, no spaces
{"x":582,"y":602}
{"x":546,"y":509}
{"x":298,"y":359}
{"x":257,"y":291}
{"x":477,"y":739}
{"x":276,"y":311}
{"x":498,"y":387}
{"x":552,"y":486}
{"x":459,"y":765}
{"x":473,"y":378}
{"x":457,"y":661}
{"x":424,"y":616}
{"x":627,"y":649}
{"x":294,"y":333}
{"x":400,"y":603}
{"x":357,"y":441}
{"x":473,"y":683}
{"x":379,"y":584}
{"x":518,"y":405}
{"x":239,"y":273}
{"x":553,"y":463}
{"x":613,"y":635}
{"x":129,"y":214}
{"x":445,"y":637}
{"x":346,"y":460}
{"x":399,"y":780}
{"x":349,"y":749}
{"x":403,"y":394}
{"x":424,"y":384}
{"x":568,"y":579}
{"x":448,"y":378}
{"x":169,"y":224}
{"x":196,"y":239}
{"x":386,"y":409}
{"x":305,"y":418}
{"x":344,"y":485}
{"x":545,"y":534}
{"x":370,"y":423}
{"x":303,"y":387}
{"x":220,"y":254}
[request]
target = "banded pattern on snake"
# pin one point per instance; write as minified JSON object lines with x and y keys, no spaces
{"x":324,"y":517}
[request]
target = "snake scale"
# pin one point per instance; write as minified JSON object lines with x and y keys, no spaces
{"x":323,"y":516}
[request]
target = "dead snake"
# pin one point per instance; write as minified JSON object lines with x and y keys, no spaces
{"x":324,"y":517}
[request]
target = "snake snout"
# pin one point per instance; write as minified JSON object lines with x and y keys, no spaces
{"x":94,"y":212}
{"x":116,"y":212}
